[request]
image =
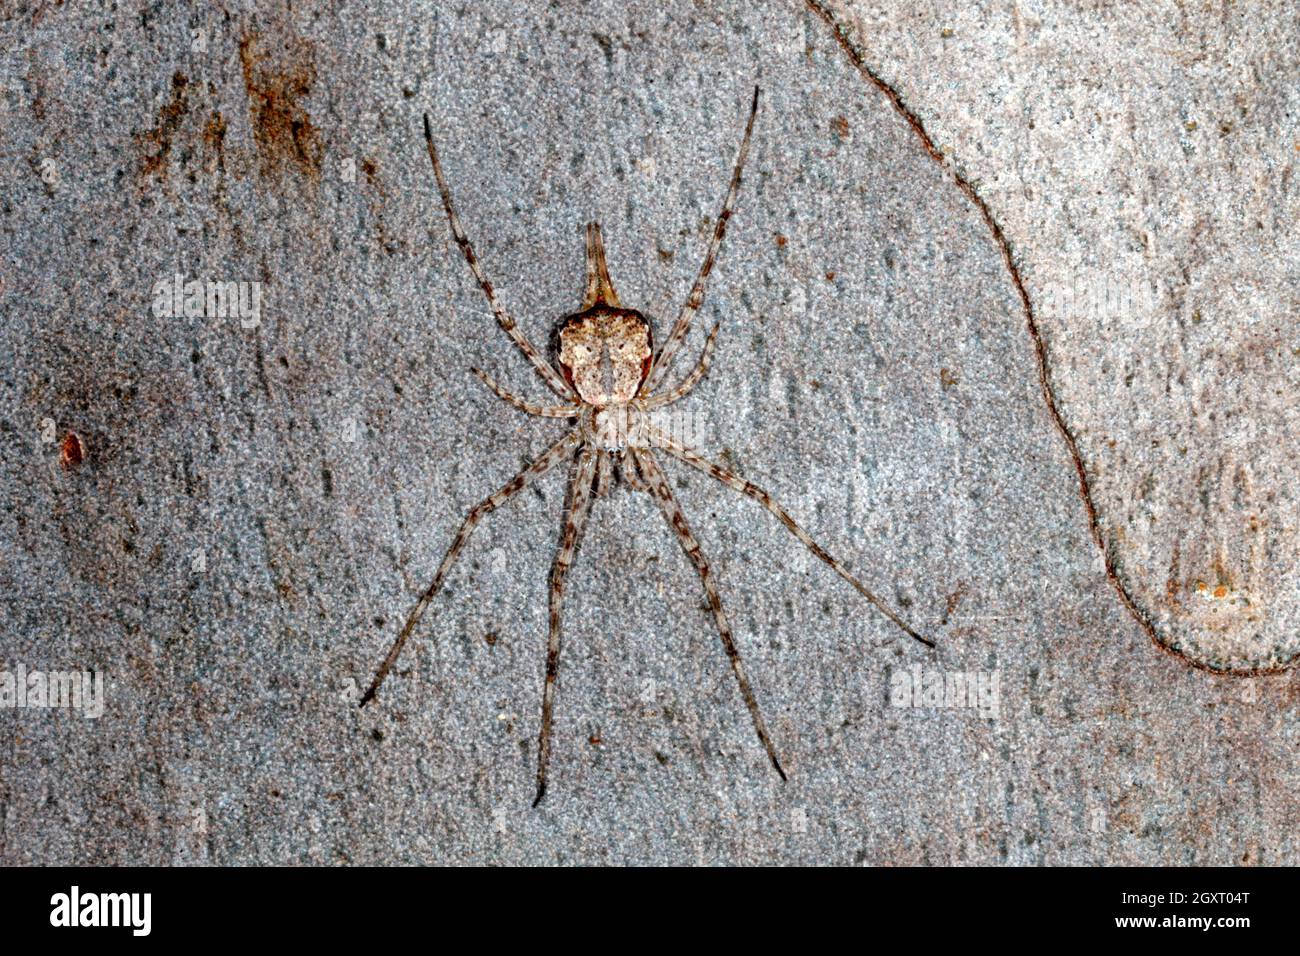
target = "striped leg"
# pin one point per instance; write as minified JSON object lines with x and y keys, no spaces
{"x":627,"y":469}
{"x":551,"y":377}
{"x":683,"y":324}
{"x":604,"y":484}
{"x":661,"y":439}
{"x":579,"y":505}
{"x":544,"y":411}
{"x":600,"y":291}
{"x":654,"y":477}
{"x":688,"y":383}
{"x":548,"y":459}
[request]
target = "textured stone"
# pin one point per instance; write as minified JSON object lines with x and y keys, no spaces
{"x":1141,"y":158}
{"x":258,"y":504}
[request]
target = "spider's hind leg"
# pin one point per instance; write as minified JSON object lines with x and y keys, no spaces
{"x":661,"y":439}
{"x":658,"y":486}
{"x":575,"y":520}
{"x":543,"y":464}
{"x":626,"y":473}
{"x":606,"y":473}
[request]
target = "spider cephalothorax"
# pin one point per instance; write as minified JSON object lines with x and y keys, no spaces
{"x":605,"y":349}
{"x":609,"y":380}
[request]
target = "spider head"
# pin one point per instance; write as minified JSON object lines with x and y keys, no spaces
{"x":604,"y":349}
{"x":605,"y":354}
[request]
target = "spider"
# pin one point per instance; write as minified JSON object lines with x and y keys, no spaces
{"x":607,"y":382}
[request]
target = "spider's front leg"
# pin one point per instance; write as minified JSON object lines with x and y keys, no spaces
{"x":691,"y":380}
{"x":693,"y":302}
{"x":529,"y":408}
{"x":554,"y":381}
{"x":584,"y":473}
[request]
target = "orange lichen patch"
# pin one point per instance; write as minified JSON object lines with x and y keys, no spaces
{"x":158,"y":141}
{"x":282,"y":129}
{"x":73,"y":452}
{"x":1219,"y":592}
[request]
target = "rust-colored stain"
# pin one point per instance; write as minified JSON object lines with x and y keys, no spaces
{"x":841,"y":127}
{"x":158,"y":141}
{"x":947,"y":378}
{"x":214,"y":136}
{"x":953,"y":599}
{"x":282,"y":129}
{"x":1172,"y":586}
{"x":371,"y":169}
{"x":780,"y":241}
{"x":36,"y":81}
{"x":73,"y":452}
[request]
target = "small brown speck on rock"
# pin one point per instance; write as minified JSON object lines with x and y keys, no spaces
{"x":73,"y":452}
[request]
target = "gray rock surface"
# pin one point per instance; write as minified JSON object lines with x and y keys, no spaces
{"x":1141,"y":157}
{"x":259,"y":503}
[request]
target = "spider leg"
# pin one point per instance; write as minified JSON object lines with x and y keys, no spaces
{"x":688,"y":383}
{"x":545,"y":411}
{"x":660,"y":439}
{"x":604,"y":485}
{"x":579,"y":506}
{"x":683,"y":324}
{"x":551,"y":377}
{"x":516,"y":484}
{"x":627,"y":468}
{"x":654,"y":477}
{"x":600,"y":291}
